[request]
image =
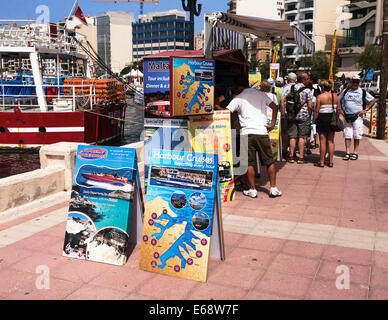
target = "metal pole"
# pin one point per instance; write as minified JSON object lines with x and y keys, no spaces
{"x":381,"y":119}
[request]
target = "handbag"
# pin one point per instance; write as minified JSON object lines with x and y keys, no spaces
{"x":336,"y":123}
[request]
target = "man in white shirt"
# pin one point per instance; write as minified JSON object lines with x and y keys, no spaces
{"x":356,"y":102}
{"x":251,"y":106}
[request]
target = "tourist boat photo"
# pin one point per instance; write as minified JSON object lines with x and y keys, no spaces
{"x":47,"y":92}
{"x":173,"y":179}
{"x":106,"y":178}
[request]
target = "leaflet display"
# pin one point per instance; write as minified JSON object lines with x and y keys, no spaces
{"x":104,"y":193}
{"x":212,"y":134}
{"x":192,"y":86}
{"x":181,"y":203}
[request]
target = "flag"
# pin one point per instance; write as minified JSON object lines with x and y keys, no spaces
{"x":77,"y":12}
{"x":274,"y":59}
{"x":331,"y":76}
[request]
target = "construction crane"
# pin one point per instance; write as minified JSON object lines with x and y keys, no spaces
{"x":138,"y":1}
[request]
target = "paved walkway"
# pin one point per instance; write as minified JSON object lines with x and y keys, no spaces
{"x":329,"y":221}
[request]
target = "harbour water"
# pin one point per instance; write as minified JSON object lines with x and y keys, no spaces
{"x":19,"y":161}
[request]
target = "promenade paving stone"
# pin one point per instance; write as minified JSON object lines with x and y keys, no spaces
{"x":284,"y":248}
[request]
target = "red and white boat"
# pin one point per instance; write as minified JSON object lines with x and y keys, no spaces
{"x":38,"y":105}
{"x":106,"y":178}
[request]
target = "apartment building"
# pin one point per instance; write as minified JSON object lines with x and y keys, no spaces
{"x":363,"y":26}
{"x":318,"y":19}
{"x":266,"y":9}
{"x":269,"y":9}
{"x":159,"y":31}
{"x":114,"y":39}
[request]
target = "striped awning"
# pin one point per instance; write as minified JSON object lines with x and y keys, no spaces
{"x":225,"y":39}
{"x":264,"y":29}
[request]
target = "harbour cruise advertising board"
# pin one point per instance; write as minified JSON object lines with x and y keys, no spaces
{"x":105,"y":185}
{"x":192,"y":86}
{"x":212,"y":134}
{"x":156,"y":87}
{"x":180,"y":206}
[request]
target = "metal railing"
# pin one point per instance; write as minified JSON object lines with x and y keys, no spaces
{"x":24,"y":96}
{"x":37,"y":35}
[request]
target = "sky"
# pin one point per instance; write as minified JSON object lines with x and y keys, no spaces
{"x":60,"y":9}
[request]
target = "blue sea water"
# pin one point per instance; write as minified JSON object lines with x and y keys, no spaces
{"x":113,"y":212}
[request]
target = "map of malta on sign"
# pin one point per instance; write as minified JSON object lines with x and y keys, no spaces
{"x":192,"y":83}
{"x":179,"y":212}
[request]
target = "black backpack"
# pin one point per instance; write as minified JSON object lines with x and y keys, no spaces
{"x":293,"y":102}
{"x":364,"y":103}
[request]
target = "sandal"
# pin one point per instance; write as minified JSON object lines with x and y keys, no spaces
{"x":346,"y":157}
{"x":330,"y":165}
{"x":300,"y":161}
{"x":354,"y":156}
{"x":319,"y":164}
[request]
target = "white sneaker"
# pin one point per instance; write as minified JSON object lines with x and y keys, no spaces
{"x":274,"y":192}
{"x":250,"y":193}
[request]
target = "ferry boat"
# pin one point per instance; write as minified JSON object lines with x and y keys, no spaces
{"x":47,"y":93}
{"x":173,"y":180}
{"x":106,"y":178}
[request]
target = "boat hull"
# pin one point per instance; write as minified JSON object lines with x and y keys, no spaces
{"x":34,"y":129}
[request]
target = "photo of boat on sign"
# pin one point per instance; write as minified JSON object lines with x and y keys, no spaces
{"x":182,"y":178}
{"x":104,"y":177}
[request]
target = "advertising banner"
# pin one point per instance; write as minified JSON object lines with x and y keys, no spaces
{"x":274,"y":137}
{"x":374,"y":118}
{"x":192,"y":85}
{"x":180,"y":206}
{"x":156,"y":87}
{"x":254,"y":80}
{"x":164,"y":134}
{"x":212,"y":134}
{"x":99,"y":217}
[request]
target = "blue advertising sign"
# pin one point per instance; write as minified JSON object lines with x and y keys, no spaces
{"x":156,"y":86}
{"x":182,"y":194}
{"x":164,"y":134}
{"x":99,"y":217}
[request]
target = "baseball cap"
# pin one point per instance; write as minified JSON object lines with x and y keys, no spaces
{"x":270,"y":80}
{"x":292,"y":76}
{"x":356,"y":78}
{"x":280,"y":80}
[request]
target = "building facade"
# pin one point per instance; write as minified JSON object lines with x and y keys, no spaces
{"x":318,"y":19}
{"x":160,"y":31}
{"x":364,"y":26}
{"x":114,"y":40}
{"x":270,"y":9}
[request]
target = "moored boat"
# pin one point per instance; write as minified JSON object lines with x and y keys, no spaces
{"x":47,"y":94}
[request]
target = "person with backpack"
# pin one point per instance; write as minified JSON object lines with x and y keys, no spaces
{"x":356,"y":102}
{"x":297,"y":107}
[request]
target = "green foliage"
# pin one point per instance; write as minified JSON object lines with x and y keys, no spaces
{"x":371,"y":57}
{"x":137,"y":65}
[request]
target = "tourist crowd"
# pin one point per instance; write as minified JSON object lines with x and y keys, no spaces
{"x":309,"y":107}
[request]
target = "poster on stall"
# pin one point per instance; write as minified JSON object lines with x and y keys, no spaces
{"x":156,"y":87}
{"x":192,"y":86}
{"x":254,"y":80}
{"x":275,"y":137}
{"x":212,"y":134}
{"x":104,"y":194}
{"x":181,"y":205}
{"x":164,"y":134}
{"x":374,"y":118}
